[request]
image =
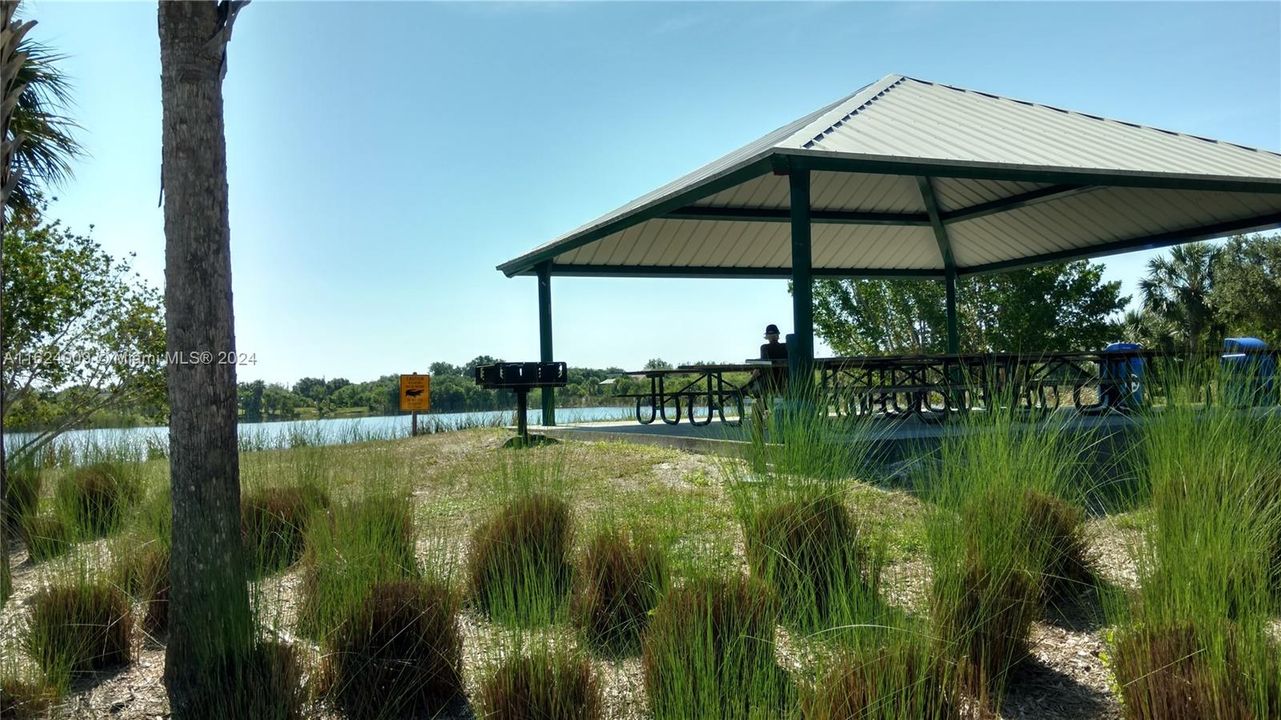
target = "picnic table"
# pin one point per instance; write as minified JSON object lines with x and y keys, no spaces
{"x":931,"y":387}
{"x":685,"y":387}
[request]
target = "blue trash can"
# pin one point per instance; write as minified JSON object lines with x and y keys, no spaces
{"x":1121,"y":378}
{"x":1248,"y":371}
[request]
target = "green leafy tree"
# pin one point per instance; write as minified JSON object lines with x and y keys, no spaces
{"x":657,"y":364}
{"x":250,"y":395}
{"x":875,"y":317}
{"x":1247,"y":287}
{"x":37,"y":147}
{"x":279,"y":403}
{"x":1050,"y":308}
{"x":441,"y":369}
{"x":469,"y":370}
{"x":84,"y":334}
{"x":313,"y":389}
{"x":1064,"y":306}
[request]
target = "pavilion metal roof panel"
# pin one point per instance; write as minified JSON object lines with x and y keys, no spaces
{"x":1016,"y":182}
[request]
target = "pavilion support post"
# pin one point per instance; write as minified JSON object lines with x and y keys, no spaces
{"x":545,"y":336}
{"x":953,"y":329}
{"x":801,"y":361}
{"x":949,"y":261}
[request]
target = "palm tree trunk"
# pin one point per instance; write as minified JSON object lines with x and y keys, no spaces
{"x":210,"y":626}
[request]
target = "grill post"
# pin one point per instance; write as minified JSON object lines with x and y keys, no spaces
{"x":522,"y":404}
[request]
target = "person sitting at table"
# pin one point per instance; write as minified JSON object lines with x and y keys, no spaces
{"x":772,"y":380}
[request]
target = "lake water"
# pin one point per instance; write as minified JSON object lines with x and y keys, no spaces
{"x":329,"y":431}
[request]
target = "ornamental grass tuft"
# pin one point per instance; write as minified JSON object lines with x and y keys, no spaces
{"x":619,"y":580}
{"x":274,"y":524}
{"x":79,"y":627}
{"x":544,"y":684}
{"x":399,"y":653}
{"x":709,"y":653}
{"x":519,"y":562}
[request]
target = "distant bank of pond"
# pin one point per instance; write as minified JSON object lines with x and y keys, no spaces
{"x":330,"y":431}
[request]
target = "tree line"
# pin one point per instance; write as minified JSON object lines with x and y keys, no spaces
{"x":453,"y":389}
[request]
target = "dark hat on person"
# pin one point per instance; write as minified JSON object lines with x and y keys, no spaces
{"x":771,"y":329}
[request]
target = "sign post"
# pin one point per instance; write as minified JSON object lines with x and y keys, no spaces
{"x":415,"y":397}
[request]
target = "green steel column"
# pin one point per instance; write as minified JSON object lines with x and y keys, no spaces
{"x":953,"y":331}
{"x":801,"y":364}
{"x":949,"y":261}
{"x":545,"y":336}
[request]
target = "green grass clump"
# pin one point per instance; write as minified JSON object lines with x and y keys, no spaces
{"x":263,"y":681}
{"x":998,"y":540}
{"x":542,"y":685}
{"x":21,"y":494}
{"x":983,"y":615}
{"x":619,"y":581}
{"x":1059,"y":528}
{"x":399,"y":653}
{"x":808,"y":550}
{"x":24,"y":698}
{"x":46,"y":536}
{"x":274,"y":524}
{"x":905,"y":680}
{"x":78,"y":628}
{"x":142,"y":570}
{"x":519,"y":561}
{"x":709,"y":653}
{"x":1185,"y":673}
{"x":94,"y":498}
{"x":360,"y":543}
{"x":1195,"y":639}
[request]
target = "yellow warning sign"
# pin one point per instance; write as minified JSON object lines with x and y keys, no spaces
{"x":415,"y":393}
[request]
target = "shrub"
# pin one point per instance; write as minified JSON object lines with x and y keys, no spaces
{"x":79,"y":628}
{"x":46,"y":536}
{"x":519,"y":563}
{"x":274,"y":522}
{"x":890,"y":683}
{"x":983,"y":615}
{"x":1183,"y":672}
{"x":709,"y":652}
{"x":619,"y":582}
{"x":143,"y":571}
{"x":399,"y":653}
{"x":21,"y":494}
{"x":94,"y":497}
{"x":808,"y":551}
{"x":262,"y":682}
{"x":357,"y":546}
{"x":544,"y":685}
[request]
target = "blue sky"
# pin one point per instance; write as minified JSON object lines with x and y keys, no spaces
{"x":384,"y":157}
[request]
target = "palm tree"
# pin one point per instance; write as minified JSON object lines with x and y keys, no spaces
{"x":48,"y":137}
{"x":210,"y":624}
{"x":1177,"y":291}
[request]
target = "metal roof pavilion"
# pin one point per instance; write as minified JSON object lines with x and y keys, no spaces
{"x":908,"y":178}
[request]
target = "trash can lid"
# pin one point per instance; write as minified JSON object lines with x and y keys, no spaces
{"x":1245,"y":344}
{"x":1122,"y":347}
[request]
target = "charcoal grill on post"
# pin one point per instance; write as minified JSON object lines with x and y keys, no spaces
{"x":521,"y":378}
